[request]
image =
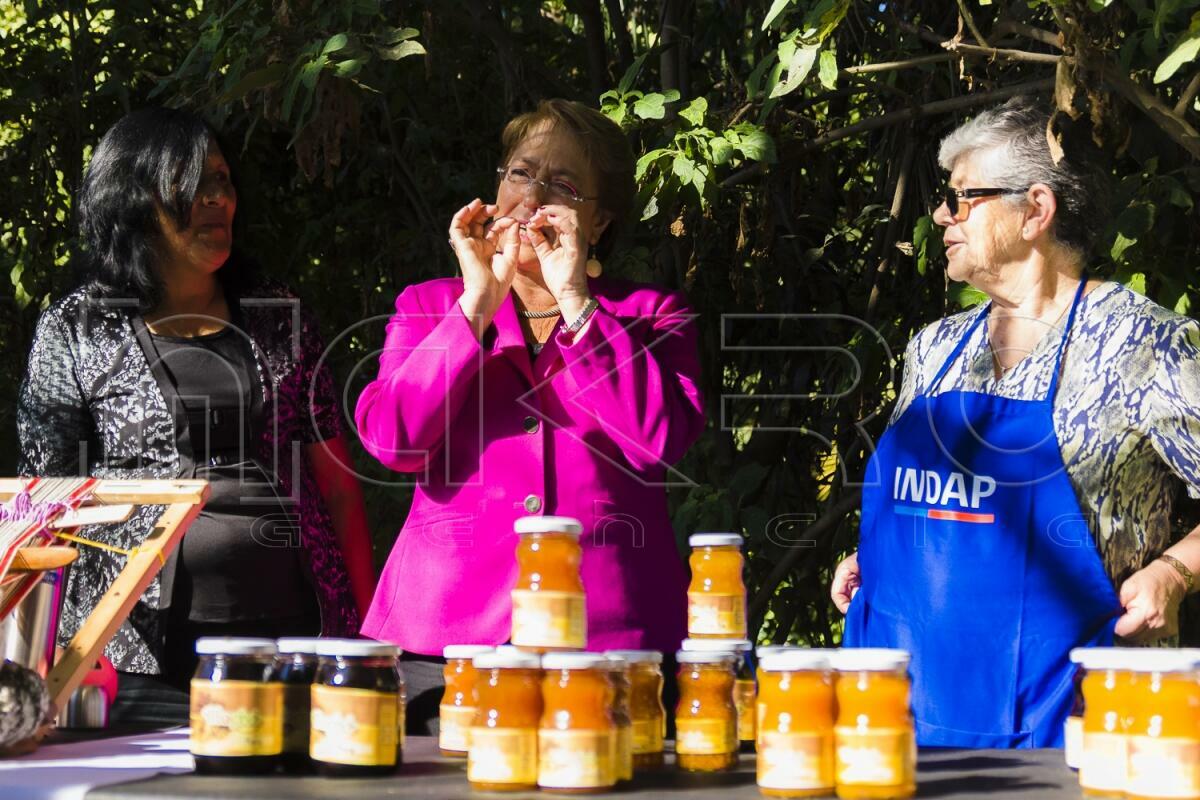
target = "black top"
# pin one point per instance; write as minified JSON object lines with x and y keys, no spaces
{"x":240,"y":559}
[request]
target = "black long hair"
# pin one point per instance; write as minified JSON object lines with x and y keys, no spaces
{"x":152,"y":158}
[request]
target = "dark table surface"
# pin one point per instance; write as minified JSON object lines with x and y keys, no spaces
{"x":953,"y":774}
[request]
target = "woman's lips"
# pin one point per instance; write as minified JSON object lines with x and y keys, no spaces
{"x":951,"y":247}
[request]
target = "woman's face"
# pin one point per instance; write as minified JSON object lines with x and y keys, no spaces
{"x":978,"y":247}
{"x":205,"y":243}
{"x":552,"y":155}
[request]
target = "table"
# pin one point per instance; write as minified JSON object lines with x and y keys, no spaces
{"x":950,"y":774}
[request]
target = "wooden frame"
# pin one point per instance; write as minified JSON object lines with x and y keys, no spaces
{"x":183,"y":499}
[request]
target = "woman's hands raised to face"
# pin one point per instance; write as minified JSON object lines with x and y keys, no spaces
{"x":562,"y":255}
{"x":487,"y":257}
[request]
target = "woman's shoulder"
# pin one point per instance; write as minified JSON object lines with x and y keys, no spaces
{"x":942,"y":333}
{"x":632,"y":297}
{"x":1118,"y":306}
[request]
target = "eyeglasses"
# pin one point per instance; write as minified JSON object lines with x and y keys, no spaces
{"x":951,"y":196}
{"x":523,"y":179}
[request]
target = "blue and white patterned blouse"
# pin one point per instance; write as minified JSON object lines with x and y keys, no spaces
{"x":1127,"y":412}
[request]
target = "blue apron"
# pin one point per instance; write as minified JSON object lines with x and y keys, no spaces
{"x":976,"y":558}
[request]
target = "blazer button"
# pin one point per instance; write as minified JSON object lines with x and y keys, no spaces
{"x":531,"y":425}
{"x":533,"y":504}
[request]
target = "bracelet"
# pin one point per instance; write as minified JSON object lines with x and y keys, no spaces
{"x":588,"y":308}
{"x":1181,"y":568}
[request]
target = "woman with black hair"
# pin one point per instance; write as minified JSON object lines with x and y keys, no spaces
{"x":173,"y":359}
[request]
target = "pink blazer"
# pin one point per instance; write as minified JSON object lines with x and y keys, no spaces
{"x":588,"y":429}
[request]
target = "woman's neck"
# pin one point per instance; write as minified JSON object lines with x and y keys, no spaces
{"x":531,"y":292}
{"x":1034,"y":290}
{"x":191,"y":303}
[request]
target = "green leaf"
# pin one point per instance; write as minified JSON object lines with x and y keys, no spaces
{"x":965,"y":295}
{"x":645,"y":161}
{"x":776,"y":9}
{"x":1137,"y":220}
{"x":695,"y":111}
{"x":757,"y":145}
{"x":800,"y":64}
{"x":335,"y":43}
{"x":823,"y":19}
{"x":651,"y":209}
{"x":684,"y":168}
{"x":395,"y":35}
{"x":253,"y":81}
{"x":348,"y":68}
{"x":652,"y":106}
{"x":402,"y":50}
{"x":754,"y":82}
{"x":828,"y":70}
{"x":1120,"y":245}
{"x":308,"y":75}
{"x":722,"y":150}
{"x":1186,"y":49}
{"x":631,"y":74}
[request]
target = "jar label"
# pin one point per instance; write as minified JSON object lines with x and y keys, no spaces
{"x":705,"y":736}
{"x":745,"y":696}
{"x":359,"y":727}
{"x":624,"y":752}
{"x":296,"y":717}
{"x":453,"y":724}
{"x":575,"y":759}
{"x":548,"y":619}
{"x":1073,"y":740}
{"x":879,"y":757}
{"x":716,"y":614}
{"x":503,"y":755}
{"x":236,"y":718}
{"x":795,"y":760}
{"x":648,"y":735}
{"x":1164,"y":767}
{"x":1102,"y":765}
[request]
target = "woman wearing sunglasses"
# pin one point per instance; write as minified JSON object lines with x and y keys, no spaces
{"x":530,"y":385}
{"x":1019,"y":504}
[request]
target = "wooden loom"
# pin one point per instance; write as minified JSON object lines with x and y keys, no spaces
{"x":107,"y":501}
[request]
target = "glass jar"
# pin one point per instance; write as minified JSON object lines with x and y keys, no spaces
{"x":706,"y":717}
{"x":548,"y":605}
{"x":1164,"y":727}
{"x":716,"y":594}
{"x":1073,"y":726}
{"x":457,"y":709}
{"x":236,"y":709}
{"x":795,"y":740}
{"x":503,"y":753}
{"x":357,"y":709}
{"x":745,"y":687}
{"x":577,"y":734}
{"x":649,"y":718}
{"x":295,"y":668}
{"x":875,"y":744}
{"x":1108,"y":694}
{"x":760,"y":653}
{"x":620,"y":672}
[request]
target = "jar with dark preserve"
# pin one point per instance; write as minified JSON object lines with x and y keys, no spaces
{"x":295,"y":668}
{"x":621,"y":675}
{"x":357,"y":725}
{"x":236,"y":709}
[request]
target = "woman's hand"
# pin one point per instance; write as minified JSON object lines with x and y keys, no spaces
{"x":846,"y":580}
{"x":563,"y":257}
{"x":1151,"y":598}
{"x":487,"y":258}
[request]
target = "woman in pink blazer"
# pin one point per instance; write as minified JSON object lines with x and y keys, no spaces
{"x":533,"y":386}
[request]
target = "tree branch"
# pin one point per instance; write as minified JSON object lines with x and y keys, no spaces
{"x":1029,"y":32}
{"x":620,"y":29}
{"x":970,"y":20}
{"x":1189,"y":94}
{"x":996,"y":52}
{"x":889,"y":66}
{"x":1171,"y":123}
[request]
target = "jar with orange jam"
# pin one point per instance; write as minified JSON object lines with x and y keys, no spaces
{"x":1108,"y":694}
{"x":1164,"y":727}
{"x":646,"y":706}
{"x":716,"y":594}
{"x":760,"y":653}
{"x":548,"y":606}
{"x":745,"y":687}
{"x":620,"y":672}
{"x":795,"y":739}
{"x":706,"y":736}
{"x":456,"y":713}
{"x":874,"y":741}
{"x":576,"y":738}
{"x":503,"y":740}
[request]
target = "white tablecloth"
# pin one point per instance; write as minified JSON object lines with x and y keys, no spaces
{"x":68,"y":771}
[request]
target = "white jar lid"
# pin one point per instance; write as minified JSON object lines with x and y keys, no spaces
{"x":706,"y":657}
{"x":234,"y":646}
{"x":1105,"y":658}
{"x":568,"y":525}
{"x":506,"y":659}
{"x":459,"y":651}
{"x":869,"y":659}
{"x":637,"y":656}
{"x":722,"y":645}
{"x":357,"y":648}
{"x":768,"y":649}
{"x":575,"y":661}
{"x":1137,"y":659}
{"x":304,"y":645}
{"x":795,"y":660}
{"x":715,"y":540}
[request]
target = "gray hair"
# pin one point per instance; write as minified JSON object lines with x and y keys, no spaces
{"x":1015,"y":134}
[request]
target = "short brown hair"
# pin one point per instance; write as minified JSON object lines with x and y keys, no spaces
{"x":606,"y":148}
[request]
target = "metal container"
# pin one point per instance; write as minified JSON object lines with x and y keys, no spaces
{"x":28,"y":635}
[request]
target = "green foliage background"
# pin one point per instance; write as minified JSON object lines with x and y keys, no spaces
{"x":787,"y":157}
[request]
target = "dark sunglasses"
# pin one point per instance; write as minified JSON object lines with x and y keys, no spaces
{"x":951,"y":196}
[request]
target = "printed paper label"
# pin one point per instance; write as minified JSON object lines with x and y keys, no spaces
{"x":575,"y":759}
{"x":1102,"y":765}
{"x":503,"y":755}
{"x":882,"y":757}
{"x":705,"y":737}
{"x":359,"y":727}
{"x":1073,"y":739}
{"x":716,"y":614}
{"x":454,"y":722}
{"x":548,"y":619}
{"x":648,"y":735}
{"x":796,"y":761}
{"x":745,"y":696}
{"x":1162,"y":768}
{"x":236,"y":718}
